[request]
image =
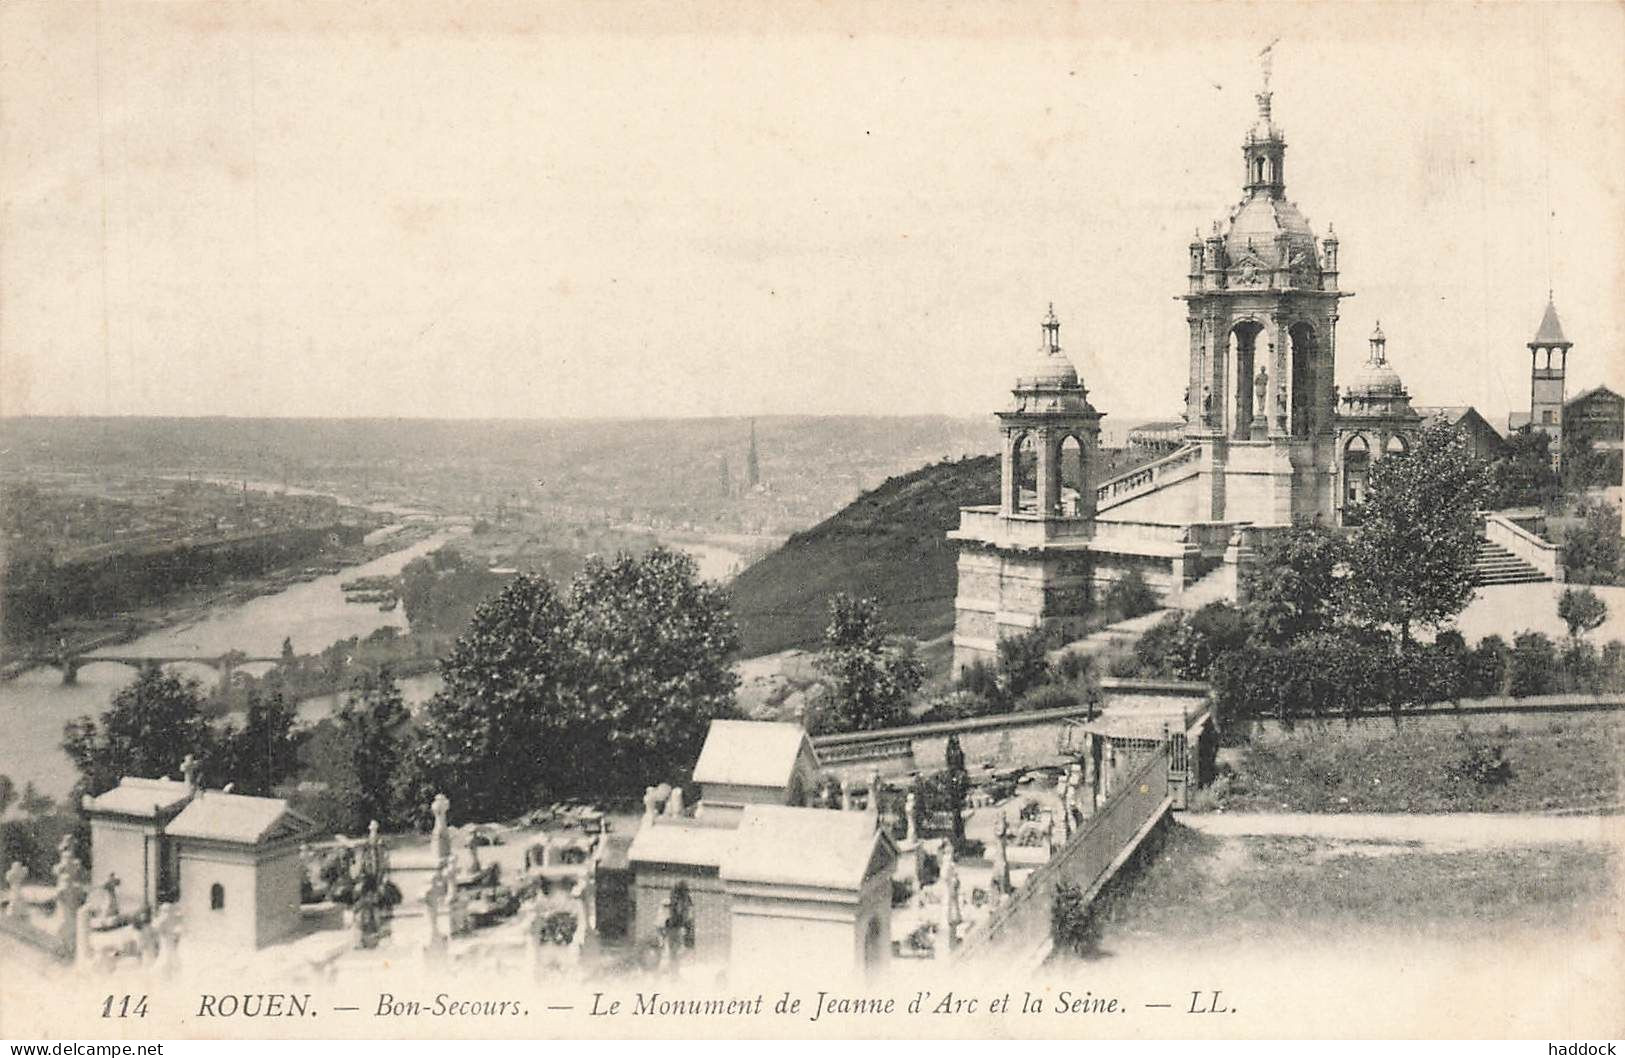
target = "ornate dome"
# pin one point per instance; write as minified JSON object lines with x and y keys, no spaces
{"x":1376,"y":377}
{"x":1256,"y":224}
{"x":1049,"y":368}
{"x":1048,"y":383}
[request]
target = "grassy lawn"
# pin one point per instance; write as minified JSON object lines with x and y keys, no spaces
{"x":1568,"y":762}
{"x":1204,"y":888}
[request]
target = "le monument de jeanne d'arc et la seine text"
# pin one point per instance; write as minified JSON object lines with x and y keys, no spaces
{"x":813,"y":1006}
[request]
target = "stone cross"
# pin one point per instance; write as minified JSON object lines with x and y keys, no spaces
{"x":189,"y":770}
{"x":911,"y":805}
{"x":16,"y":875}
{"x":651,"y":804}
{"x":874,"y":789}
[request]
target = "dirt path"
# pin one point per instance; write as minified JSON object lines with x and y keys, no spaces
{"x":1460,"y":830}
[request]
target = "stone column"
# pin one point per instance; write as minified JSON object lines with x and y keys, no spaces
{"x":1007,"y":474}
{"x":1193,"y":395}
{"x":1049,"y":473}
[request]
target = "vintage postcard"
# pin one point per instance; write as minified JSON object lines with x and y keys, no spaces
{"x":981,"y":520}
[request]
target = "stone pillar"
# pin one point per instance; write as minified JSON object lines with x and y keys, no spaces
{"x":1220,"y":371}
{"x":1193,"y":394}
{"x":1049,"y":473}
{"x":1007,"y":474}
{"x":1280,"y":395}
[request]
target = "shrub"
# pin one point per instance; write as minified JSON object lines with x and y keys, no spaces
{"x":1484,"y":668}
{"x":1130,"y":596}
{"x":1073,"y":924}
{"x":1533,"y":666}
{"x":1047,"y":696}
{"x":1024,"y":662}
{"x":1483,"y":765}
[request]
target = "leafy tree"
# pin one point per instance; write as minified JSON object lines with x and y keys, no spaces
{"x":1412,"y":557}
{"x":149,"y":727}
{"x":1296,"y":585}
{"x":654,"y":645}
{"x":1581,"y":610}
{"x":8,"y":793}
{"x":870,"y":681}
{"x":1591,"y":550}
{"x":373,"y":725}
{"x":1524,"y":477}
{"x":265,"y":752}
{"x":598,"y":693}
{"x":486,"y":737}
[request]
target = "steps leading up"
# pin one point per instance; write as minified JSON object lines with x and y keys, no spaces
{"x":1496,"y":565}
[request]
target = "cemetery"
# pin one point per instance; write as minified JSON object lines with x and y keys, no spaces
{"x":775,"y":853}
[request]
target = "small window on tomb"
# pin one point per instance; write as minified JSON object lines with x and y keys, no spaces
{"x":217,"y":897}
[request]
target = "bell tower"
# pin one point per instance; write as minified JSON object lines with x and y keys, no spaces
{"x":1548,"y":370}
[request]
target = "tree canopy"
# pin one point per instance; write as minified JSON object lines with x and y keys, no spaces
{"x":147,"y":729}
{"x":870,"y":681}
{"x":601,"y":691}
{"x":1411,"y":561}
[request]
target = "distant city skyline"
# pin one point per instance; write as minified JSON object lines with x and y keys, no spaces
{"x":292,"y":210}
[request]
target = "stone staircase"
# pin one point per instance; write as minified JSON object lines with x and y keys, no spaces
{"x":1496,"y":565}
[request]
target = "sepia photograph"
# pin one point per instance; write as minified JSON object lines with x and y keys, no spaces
{"x":982,"y":521}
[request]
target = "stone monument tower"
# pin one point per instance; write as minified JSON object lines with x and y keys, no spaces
{"x":1262,"y":310}
{"x":1025,"y":563}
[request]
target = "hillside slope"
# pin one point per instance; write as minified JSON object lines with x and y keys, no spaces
{"x":889,"y":544}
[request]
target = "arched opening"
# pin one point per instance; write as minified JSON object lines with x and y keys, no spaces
{"x":1356,"y":475}
{"x":1303,"y":380}
{"x":217,"y":897}
{"x":1074,"y":476}
{"x":1024,"y":475}
{"x":1246,"y":383}
{"x":1396,"y":446}
{"x":1259,"y":170}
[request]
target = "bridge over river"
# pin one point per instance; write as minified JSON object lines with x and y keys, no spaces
{"x":69,"y":664}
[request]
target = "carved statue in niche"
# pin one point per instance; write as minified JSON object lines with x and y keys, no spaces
{"x":1261,"y":389}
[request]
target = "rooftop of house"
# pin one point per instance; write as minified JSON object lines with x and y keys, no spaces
{"x":142,"y":798}
{"x":751,"y":753}
{"x":238,"y":818}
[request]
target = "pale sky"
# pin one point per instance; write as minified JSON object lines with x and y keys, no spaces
{"x":603,"y":209}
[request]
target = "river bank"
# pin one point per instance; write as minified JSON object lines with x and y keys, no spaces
{"x":36,"y":704}
{"x":87,"y":635}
